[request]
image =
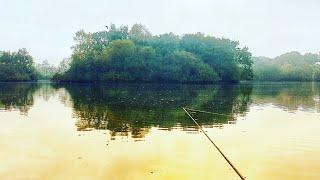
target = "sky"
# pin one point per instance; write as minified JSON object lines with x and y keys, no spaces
{"x":267,"y":27}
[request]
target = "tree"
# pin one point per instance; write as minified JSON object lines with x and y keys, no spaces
{"x":182,"y":66}
{"x":291,"y":66}
{"x":46,"y":70}
{"x":244,"y":59}
{"x":17,"y":66}
{"x":139,"y":32}
{"x":121,"y":55}
{"x":64,"y":65}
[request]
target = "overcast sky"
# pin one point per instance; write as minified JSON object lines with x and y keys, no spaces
{"x":268,"y":27}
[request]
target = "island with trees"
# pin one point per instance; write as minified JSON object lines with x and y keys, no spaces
{"x":134,"y":55}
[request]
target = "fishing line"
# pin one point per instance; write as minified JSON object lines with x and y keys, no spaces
{"x":224,"y":156}
{"x":207,"y":112}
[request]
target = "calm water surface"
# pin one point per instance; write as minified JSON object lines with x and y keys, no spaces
{"x":139,"y":131}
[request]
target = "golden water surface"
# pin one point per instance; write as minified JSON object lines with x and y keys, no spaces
{"x":132,"y":131}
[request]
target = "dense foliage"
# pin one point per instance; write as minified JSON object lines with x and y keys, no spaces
{"x":123,"y":54}
{"x":291,"y":66}
{"x":17,"y":66}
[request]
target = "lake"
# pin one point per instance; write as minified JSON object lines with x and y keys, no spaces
{"x":140,"y":131}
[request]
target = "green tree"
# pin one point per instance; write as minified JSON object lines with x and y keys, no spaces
{"x":139,"y":32}
{"x":46,"y":70}
{"x":120,"y":54}
{"x":17,"y":66}
{"x":291,"y":66}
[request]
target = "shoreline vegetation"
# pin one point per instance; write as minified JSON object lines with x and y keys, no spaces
{"x":17,"y":66}
{"x":123,"y":54}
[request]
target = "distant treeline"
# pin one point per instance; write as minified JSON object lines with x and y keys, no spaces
{"x":123,"y":54}
{"x":19,"y":66}
{"x":46,"y":70}
{"x":291,"y":66}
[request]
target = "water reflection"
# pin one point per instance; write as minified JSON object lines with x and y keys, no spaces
{"x":132,"y":109}
{"x":276,"y":140}
{"x":21,"y":96}
{"x":17,"y":96}
{"x":289,"y":96}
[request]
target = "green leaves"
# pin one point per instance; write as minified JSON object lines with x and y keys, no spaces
{"x":120,"y":54}
{"x":17,"y":66}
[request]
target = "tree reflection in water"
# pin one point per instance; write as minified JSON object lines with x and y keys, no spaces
{"x":288,"y":96}
{"x":132,"y":109}
{"x":17,"y":96}
{"x":21,"y":96}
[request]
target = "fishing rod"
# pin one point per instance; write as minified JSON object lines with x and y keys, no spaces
{"x":223,"y":155}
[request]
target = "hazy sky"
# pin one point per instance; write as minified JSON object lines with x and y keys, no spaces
{"x":268,"y":27}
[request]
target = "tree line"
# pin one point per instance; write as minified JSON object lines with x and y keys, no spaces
{"x":291,"y":66}
{"x":123,"y":54}
{"x":17,"y":66}
{"x":20,"y":66}
{"x":46,"y":71}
